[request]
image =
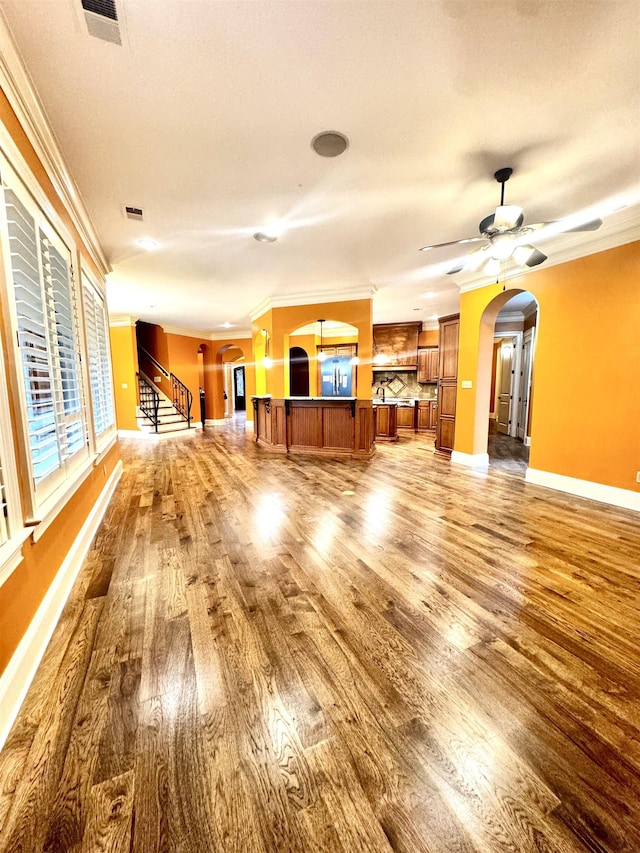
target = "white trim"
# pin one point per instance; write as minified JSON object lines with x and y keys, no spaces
{"x":21,"y":94}
{"x":103,"y":450}
{"x":510,"y":317}
{"x":22,"y":667}
{"x":314,"y":298}
{"x":527,"y":441}
{"x":48,"y":510}
{"x":121,"y":321}
{"x":11,"y":553}
{"x":226,"y":335}
{"x":585,"y":488}
{"x":215,"y":421}
{"x":471,"y":460}
{"x":248,"y":425}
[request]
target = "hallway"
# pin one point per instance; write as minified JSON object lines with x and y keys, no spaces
{"x":266,"y":653}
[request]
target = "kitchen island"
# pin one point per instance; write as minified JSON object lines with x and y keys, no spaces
{"x":327,"y":426}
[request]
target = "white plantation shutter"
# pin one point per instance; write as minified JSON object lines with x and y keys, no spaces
{"x":47,"y":328}
{"x":96,"y":332}
{"x":4,"y":510}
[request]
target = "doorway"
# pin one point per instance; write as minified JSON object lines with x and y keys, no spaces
{"x":511,"y":382}
{"x":298,"y":372}
{"x":239,"y":398}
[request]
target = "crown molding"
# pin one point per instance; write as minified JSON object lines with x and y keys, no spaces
{"x":226,"y":335}
{"x":510,"y":317}
{"x":23,"y":98}
{"x":313,"y":298}
{"x":122,"y":321}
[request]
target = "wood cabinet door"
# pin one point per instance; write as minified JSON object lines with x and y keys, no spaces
{"x":406,"y":416}
{"x":424,"y":416}
{"x":423,"y":366}
{"x":448,"y":351}
{"x":432,"y":366}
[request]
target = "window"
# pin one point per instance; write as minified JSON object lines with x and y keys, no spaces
{"x":97,"y":335}
{"x":46,"y":321}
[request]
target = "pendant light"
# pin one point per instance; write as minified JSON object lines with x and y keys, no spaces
{"x":322,"y":356}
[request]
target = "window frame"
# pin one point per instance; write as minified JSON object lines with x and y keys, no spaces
{"x":47,"y":495}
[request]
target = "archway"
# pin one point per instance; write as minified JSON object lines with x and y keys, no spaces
{"x":298,"y":372}
{"x":330,"y":348}
{"x":511,"y":378}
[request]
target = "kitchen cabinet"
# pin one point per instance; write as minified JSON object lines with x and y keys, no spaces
{"x":406,"y":416}
{"x":427,"y":365}
{"x":447,"y":384}
{"x":386,"y":421}
{"x":426,"y":414}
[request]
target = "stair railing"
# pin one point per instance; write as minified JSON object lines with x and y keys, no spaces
{"x":182,"y":398}
{"x":149,"y":400}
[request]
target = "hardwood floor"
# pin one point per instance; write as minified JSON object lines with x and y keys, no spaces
{"x":267,"y":654}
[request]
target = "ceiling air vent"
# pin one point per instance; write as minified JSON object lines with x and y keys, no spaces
{"x":102,"y":20}
{"x":133,"y":213}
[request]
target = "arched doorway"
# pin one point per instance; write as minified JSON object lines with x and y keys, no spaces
{"x":510,"y":401}
{"x":298,"y":372}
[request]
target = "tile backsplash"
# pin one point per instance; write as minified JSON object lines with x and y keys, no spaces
{"x":398,"y":385}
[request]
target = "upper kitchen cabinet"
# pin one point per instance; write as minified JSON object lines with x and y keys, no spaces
{"x":427,"y":365}
{"x":396,"y":344}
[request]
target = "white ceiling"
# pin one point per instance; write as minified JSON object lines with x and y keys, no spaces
{"x":204,"y":118}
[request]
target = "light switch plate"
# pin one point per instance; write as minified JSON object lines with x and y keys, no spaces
{"x":466,"y":383}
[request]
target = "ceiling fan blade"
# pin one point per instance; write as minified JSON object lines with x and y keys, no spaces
{"x":458,"y":268}
{"x":452,"y":243}
{"x":586,"y":226}
{"x":593,"y":225}
{"x":536,"y":257}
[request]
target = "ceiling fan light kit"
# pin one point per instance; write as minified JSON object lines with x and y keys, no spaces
{"x":504,"y":234}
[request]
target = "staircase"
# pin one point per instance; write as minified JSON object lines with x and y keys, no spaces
{"x":156,"y":413}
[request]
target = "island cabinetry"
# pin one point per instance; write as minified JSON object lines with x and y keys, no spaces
{"x":335,"y":426}
{"x":427,"y":365}
{"x":386,"y":421}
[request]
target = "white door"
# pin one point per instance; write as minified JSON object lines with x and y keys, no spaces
{"x":504,"y":389}
{"x":524,"y":391}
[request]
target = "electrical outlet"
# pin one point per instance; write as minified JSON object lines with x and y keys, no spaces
{"x":104,"y":469}
{"x":637,"y":476}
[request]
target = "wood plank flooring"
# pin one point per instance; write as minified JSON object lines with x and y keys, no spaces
{"x":266,"y":654}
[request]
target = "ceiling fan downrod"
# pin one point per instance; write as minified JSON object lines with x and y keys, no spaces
{"x":502,"y":176}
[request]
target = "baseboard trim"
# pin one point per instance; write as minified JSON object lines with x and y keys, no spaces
{"x":624,"y":498}
{"x":248,"y":425}
{"x":22,"y":667}
{"x":215,"y":421}
{"x":471,"y":460}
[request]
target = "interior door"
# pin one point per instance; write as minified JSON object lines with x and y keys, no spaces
{"x":239,"y":400}
{"x":525,"y":384}
{"x":504,"y":389}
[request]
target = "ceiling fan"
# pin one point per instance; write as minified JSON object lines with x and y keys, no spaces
{"x":506,"y":237}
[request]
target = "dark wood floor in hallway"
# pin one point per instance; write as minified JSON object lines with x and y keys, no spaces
{"x":265,"y":654}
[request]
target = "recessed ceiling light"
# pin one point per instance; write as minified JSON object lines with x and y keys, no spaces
{"x":226,"y":325}
{"x":329,"y":143}
{"x":263,"y":237}
{"x":147,"y":243}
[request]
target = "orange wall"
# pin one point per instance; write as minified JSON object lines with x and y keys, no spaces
{"x":124,"y":357}
{"x":280,"y":322}
{"x":586,"y":421}
{"x":22,"y":593}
